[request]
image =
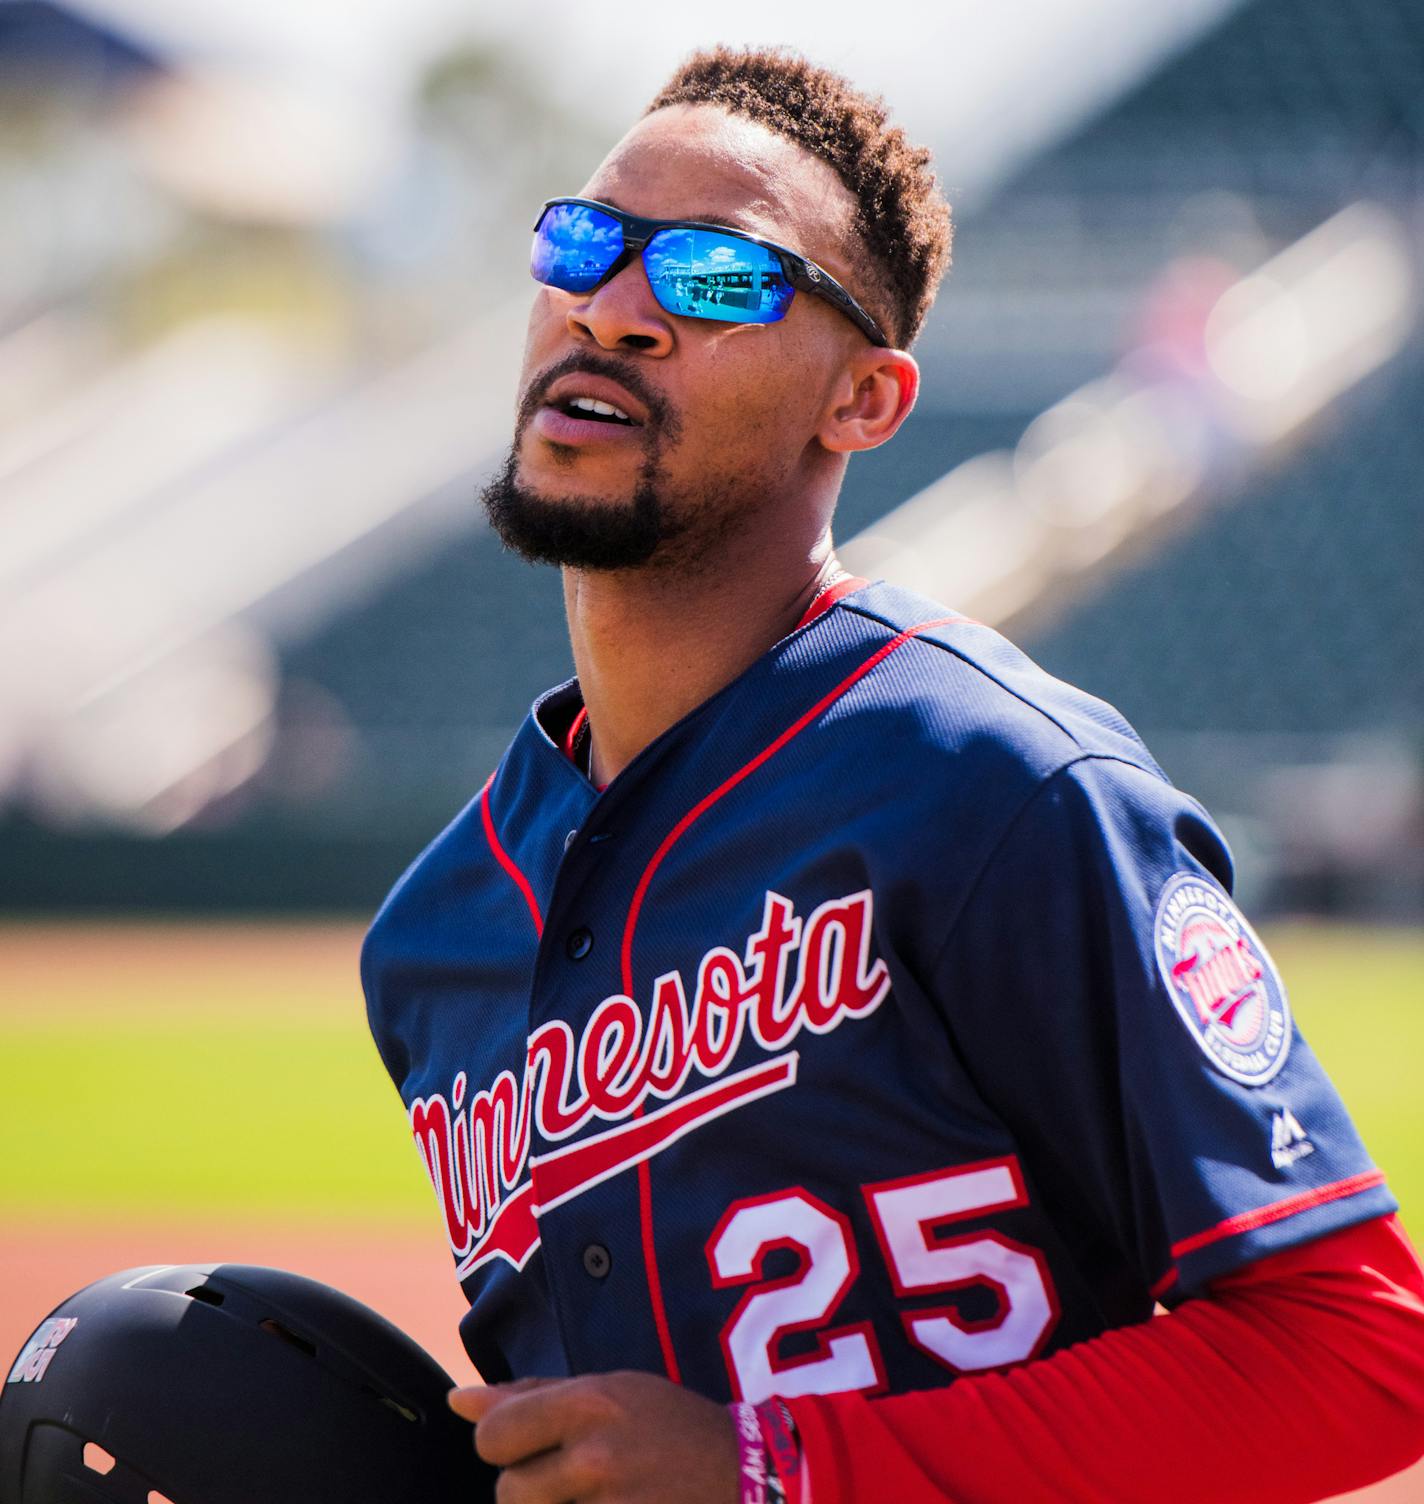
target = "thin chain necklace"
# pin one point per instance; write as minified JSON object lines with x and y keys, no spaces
{"x":581,"y":749}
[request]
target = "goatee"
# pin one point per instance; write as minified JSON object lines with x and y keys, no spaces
{"x":574,"y":531}
{"x":584,"y":532}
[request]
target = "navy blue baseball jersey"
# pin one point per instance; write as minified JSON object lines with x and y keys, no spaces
{"x":887,"y":1019}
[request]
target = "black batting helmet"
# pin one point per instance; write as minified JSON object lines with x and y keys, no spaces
{"x":229,"y":1384}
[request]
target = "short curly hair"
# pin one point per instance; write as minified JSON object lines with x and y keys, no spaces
{"x":902,"y":219}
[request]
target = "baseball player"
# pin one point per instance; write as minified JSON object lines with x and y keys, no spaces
{"x":829,"y":1036}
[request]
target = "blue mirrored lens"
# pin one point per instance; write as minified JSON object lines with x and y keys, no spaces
{"x":707,"y":275}
{"x":574,"y":246}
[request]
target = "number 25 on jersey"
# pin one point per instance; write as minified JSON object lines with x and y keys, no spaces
{"x":911,"y":1218}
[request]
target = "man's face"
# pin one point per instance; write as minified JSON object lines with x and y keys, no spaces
{"x":725,"y":416}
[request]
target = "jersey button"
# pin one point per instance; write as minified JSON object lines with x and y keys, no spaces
{"x":570,"y":839}
{"x":579,"y":943}
{"x":597,"y":1261}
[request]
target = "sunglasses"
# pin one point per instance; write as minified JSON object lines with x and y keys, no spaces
{"x":699,"y":271}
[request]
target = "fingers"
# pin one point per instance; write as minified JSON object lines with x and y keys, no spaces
{"x":630,"y":1436}
{"x":522,"y":1420}
{"x":475,"y":1401}
{"x":558,"y":1477}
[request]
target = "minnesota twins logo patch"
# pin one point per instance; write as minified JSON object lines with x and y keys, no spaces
{"x":1221,"y":981}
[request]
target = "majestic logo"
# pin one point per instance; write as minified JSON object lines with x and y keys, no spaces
{"x":1289,"y":1141}
{"x":1221,"y":980}
{"x":38,"y":1352}
{"x":476,"y":1145}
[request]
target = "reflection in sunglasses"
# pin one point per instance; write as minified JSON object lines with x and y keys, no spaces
{"x":697,"y":272}
{"x":702,"y":271}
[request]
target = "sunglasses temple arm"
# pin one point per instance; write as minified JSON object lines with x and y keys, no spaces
{"x":825,"y":286}
{"x":867,"y":325}
{"x":837,"y":295}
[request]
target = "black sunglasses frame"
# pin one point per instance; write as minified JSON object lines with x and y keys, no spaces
{"x":802,"y":274}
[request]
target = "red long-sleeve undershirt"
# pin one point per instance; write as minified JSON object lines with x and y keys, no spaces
{"x":1298,"y":1377}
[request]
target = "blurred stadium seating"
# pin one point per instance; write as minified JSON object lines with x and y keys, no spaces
{"x":1266,"y":638}
{"x":1268,"y":646}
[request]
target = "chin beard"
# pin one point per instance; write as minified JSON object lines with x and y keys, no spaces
{"x":578,"y":532}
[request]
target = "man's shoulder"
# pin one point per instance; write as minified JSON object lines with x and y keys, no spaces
{"x":535,"y":791}
{"x":966,"y":689}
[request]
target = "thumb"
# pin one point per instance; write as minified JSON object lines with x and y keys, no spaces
{"x":475,"y":1401}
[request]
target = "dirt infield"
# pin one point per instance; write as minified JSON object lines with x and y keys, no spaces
{"x":148,"y":968}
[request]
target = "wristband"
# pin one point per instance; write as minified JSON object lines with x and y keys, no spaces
{"x":757,"y":1483}
{"x":783,"y":1447}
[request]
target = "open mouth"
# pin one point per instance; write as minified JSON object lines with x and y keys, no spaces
{"x":591,"y":410}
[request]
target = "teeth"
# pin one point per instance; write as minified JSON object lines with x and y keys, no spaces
{"x":603,"y":409}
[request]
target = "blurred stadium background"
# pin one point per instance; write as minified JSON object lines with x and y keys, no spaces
{"x":261,"y":294}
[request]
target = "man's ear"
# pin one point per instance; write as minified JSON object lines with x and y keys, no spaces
{"x":872,"y":398}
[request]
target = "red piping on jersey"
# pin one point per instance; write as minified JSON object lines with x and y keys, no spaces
{"x":645,"y":1186}
{"x":821,"y":602}
{"x":503,"y":858}
{"x":1164,"y":1284}
{"x":765,"y":755}
{"x":1278,"y":1211}
{"x":650,"y":1265}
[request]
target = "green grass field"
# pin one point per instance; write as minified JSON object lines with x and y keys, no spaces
{"x":224,"y":1071}
{"x":154,"y":1078}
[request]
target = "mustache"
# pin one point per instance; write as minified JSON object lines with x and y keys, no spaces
{"x":661,"y":416}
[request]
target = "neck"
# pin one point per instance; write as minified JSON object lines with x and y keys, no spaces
{"x":650,"y":647}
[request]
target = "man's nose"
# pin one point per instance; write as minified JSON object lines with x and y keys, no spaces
{"x":622,"y":314}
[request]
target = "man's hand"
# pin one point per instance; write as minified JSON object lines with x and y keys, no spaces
{"x":614,"y":1438}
